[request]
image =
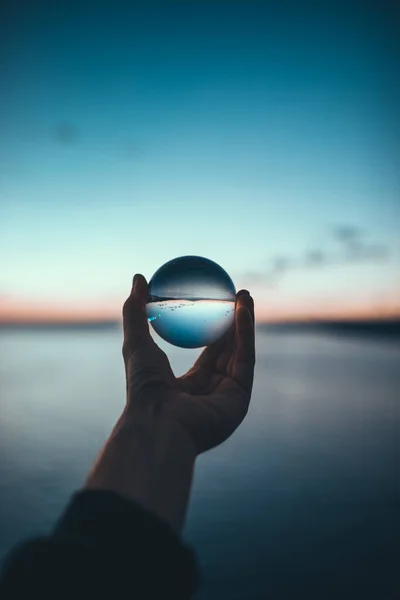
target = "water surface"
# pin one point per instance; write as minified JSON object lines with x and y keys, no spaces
{"x":303,"y":500}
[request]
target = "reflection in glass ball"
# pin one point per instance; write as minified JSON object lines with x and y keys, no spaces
{"x":191,"y":301}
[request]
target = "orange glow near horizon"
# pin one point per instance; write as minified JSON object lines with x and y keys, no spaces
{"x":24,"y":311}
{"x":349,"y":309}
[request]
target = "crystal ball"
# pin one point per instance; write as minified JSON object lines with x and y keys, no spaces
{"x":191,"y":301}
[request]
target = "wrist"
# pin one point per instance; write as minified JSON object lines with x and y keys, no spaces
{"x":164,"y":434}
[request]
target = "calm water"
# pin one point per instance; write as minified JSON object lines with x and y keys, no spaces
{"x":302,"y":501}
{"x":191,"y":324}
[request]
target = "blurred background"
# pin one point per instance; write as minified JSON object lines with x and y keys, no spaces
{"x":264,"y":136}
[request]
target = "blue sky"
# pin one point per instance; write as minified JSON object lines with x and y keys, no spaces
{"x":233,"y":130}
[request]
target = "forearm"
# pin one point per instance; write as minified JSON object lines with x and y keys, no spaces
{"x":105,"y":542}
{"x":149,"y":462}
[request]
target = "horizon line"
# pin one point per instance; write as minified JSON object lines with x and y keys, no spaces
{"x":306,"y":320}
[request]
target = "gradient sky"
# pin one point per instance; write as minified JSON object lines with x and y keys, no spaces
{"x":246,"y":132}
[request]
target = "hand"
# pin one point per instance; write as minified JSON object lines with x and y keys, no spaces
{"x":212,"y":399}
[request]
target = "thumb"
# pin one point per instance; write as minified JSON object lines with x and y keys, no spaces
{"x":134,"y":313}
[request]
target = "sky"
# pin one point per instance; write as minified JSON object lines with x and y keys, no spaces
{"x":261,"y":135}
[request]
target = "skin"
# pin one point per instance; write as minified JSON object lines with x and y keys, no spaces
{"x":169,"y":420}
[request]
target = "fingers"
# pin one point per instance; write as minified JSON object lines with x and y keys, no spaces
{"x":244,"y":358}
{"x":211,"y":365}
{"x":134,"y":313}
{"x":218,"y":355}
{"x":215,"y":352}
{"x":243,"y":298}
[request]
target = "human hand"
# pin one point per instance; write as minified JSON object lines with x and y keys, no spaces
{"x":210,"y":401}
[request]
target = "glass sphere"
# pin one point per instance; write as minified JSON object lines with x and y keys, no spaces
{"x":191,"y":301}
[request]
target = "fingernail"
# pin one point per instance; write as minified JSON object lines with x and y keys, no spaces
{"x":243,"y":293}
{"x":134,"y":282}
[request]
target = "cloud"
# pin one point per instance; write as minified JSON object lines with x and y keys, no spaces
{"x":315,"y":258}
{"x":281,"y":264}
{"x":276,"y":267}
{"x":367,"y":252}
{"x":356,"y":248}
{"x":346,"y":234}
{"x":352,"y":249}
{"x":66,"y":134}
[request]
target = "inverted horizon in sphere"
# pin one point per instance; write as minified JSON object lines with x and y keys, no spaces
{"x":191,"y":301}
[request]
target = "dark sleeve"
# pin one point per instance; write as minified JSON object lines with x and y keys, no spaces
{"x":104,"y":545}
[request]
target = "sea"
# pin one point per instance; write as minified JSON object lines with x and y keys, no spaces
{"x":303,"y":501}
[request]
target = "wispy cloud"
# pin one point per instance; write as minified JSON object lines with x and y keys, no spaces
{"x":315,"y":258}
{"x":356,"y":247}
{"x":346,"y":234}
{"x":346,"y":244}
